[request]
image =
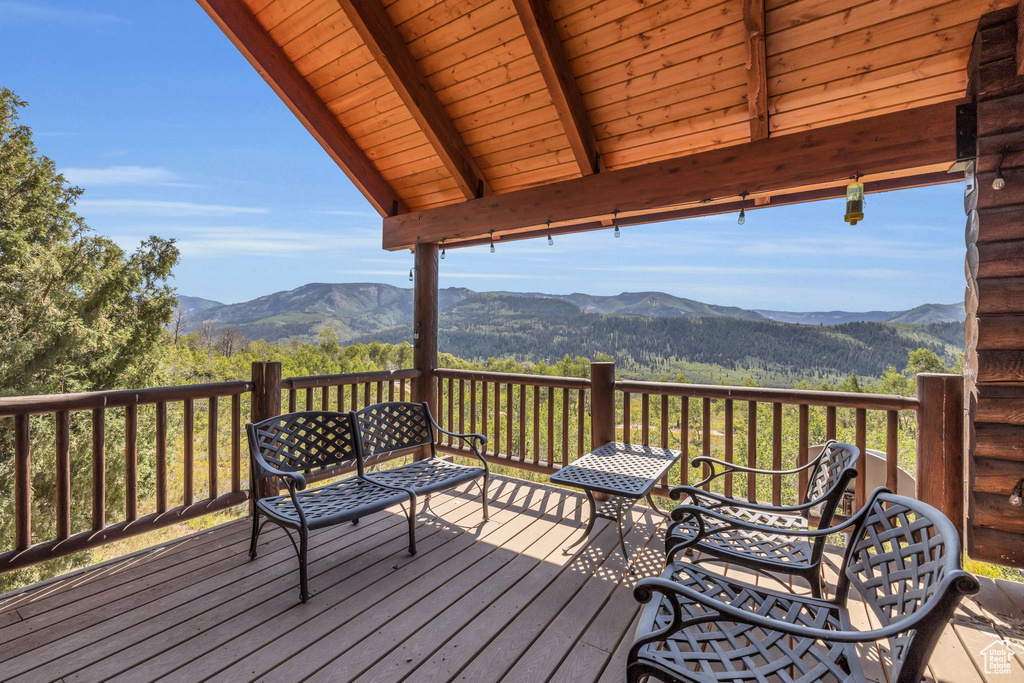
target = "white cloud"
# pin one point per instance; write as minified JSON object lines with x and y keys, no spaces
{"x":23,"y":13}
{"x":231,"y":240}
{"x":121,"y":175}
{"x":824,"y":272}
{"x":353,"y":214}
{"x":154,"y":207}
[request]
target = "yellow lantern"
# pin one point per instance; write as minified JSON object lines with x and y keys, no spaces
{"x":854,"y":202}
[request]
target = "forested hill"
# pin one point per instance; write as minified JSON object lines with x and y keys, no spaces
{"x":528,"y":328}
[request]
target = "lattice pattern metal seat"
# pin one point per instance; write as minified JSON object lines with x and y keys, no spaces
{"x":289,"y":447}
{"x":388,"y":429}
{"x":757,"y":536}
{"x":904,"y":561}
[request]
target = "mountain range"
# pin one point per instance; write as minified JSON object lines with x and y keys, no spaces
{"x":356,"y":310}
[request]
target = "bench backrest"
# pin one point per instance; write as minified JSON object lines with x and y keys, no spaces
{"x":904,"y":560}
{"x":302,"y":442}
{"x":836,"y":466}
{"x":389,"y":429}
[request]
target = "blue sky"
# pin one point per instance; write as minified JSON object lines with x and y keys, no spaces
{"x":149,"y":107}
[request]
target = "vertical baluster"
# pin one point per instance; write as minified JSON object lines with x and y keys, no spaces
{"x":292,"y":407}
{"x":626,"y":410}
{"x":522,"y":422}
{"x":705,"y":435}
{"x":63,"y":440}
{"x":497,"y":419}
{"x":462,"y":406}
{"x":472,"y":406}
{"x":776,"y":452}
{"x":440,"y":404}
{"x":391,"y":391}
{"x":551,"y":426}
{"x":325,"y":398}
{"x":862,"y":436}
{"x":99,"y":469}
{"x":536,"y":424}
{"x":131,"y":462}
{"x":565,"y":427}
{"x":22,"y":482}
{"x":581,"y":422}
{"x":451,"y":410}
{"x":830,"y":422}
{"x":211,"y":438}
{"x":161,"y":457}
{"x":339,"y":398}
{"x":188,"y":445}
{"x":401,"y":390}
{"x":801,"y":455}
{"x":484,"y":411}
{"x":236,"y":443}
{"x":645,"y":419}
{"x":751,"y":449}
{"x":508,"y":414}
{"x":684,"y":440}
{"x":664,"y":432}
{"x":309,"y":398}
{"x":892,"y":446}
{"x":728,"y":444}
{"x":353,"y":397}
{"x":366,"y":394}
{"x":380,"y":392}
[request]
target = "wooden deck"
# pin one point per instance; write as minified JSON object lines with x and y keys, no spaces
{"x":492,"y":602}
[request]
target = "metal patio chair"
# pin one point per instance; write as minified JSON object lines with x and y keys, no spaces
{"x":390,"y":429}
{"x":292,"y":446}
{"x":759,"y":536}
{"x":903,"y":559}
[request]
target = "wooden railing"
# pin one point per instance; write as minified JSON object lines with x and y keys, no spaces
{"x":533,"y":422}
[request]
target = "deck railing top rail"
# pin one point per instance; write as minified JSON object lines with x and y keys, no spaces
{"x":314,"y":381}
{"x":515,"y":378}
{"x":116,"y":398}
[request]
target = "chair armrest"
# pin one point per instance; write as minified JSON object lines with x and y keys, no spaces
{"x":645,"y":589}
{"x":719,"y":500}
{"x":293,"y":480}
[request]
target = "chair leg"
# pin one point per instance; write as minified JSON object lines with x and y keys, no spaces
{"x":817,"y":584}
{"x":483,"y":495}
{"x":412,"y":525}
{"x":255,"y":534}
{"x":303,"y":579}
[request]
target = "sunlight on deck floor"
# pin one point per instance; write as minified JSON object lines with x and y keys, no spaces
{"x":480,"y":602}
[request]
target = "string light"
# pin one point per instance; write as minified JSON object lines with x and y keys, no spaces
{"x":550,"y":241}
{"x":743,"y":209}
{"x":410,"y":275}
{"x":999,"y":182}
{"x":492,"y":241}
{"x":442,"y":247}
{"x":615,"y":222}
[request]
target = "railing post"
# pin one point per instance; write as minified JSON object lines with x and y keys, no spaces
{"x":602,"y":404}
{"x":940,"y":444}
{"x":266,"y":403}
{"x":425,"y":329}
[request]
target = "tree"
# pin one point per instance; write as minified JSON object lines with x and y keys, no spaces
{"x":230,"y":340}
{"x":77,"y":313}
{"x":924,"y":360}
{"x":178,"y":325}
{"x":851,"y":384}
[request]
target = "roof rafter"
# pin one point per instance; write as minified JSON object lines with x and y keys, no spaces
{"x":561,"y":83}
{"x":390,"y":52}
{"x":238,"y":23}
{"x":907,"y":140}
{"x":757,"y":70}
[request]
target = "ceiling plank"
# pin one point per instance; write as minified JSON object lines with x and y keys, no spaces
{"x":392,"y":55}
{"x":757,"y":70}
{"x":242,"y":28}
{"x":561,"y":83}
{"x":904,"y":140}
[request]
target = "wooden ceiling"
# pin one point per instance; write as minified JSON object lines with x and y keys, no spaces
{"x":454,"y":103}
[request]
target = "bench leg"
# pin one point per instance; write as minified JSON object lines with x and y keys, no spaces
{"x":255,"y":534}
{"x":483,"y":494}
{"x":303,"y":579}
{"x":412,"y":525}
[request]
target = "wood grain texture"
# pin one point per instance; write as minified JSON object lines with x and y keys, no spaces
{"x":757,"y":70}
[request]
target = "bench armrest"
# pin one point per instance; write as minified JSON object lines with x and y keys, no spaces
{"x":471,"y":440}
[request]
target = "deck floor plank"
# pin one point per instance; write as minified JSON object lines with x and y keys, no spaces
{"x":480,"y":602}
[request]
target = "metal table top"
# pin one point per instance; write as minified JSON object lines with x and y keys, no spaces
{"x":619,"y":469}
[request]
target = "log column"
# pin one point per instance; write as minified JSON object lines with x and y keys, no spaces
{"x":266,"y":403}
{"x":425,"y":326}
{"x":994,"y":299}
{"x":940,"y":448}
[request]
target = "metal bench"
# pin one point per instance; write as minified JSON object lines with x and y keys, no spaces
{"x":903,"y":558}
{"x":758,"y":536}
{"x":292,"y":446}
{"x":390,"y":429}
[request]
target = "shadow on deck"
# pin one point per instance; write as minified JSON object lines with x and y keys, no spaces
{"x":480,"y":602}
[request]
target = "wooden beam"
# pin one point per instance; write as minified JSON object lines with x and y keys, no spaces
{"x":561,"y":83}
{"x":403,"y":72}
{"x":1020,"y":37}
{"x":757,"y":70}
{"x":906,"y":140}
{"x":242,"y":28}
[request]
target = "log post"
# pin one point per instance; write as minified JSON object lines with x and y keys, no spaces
{"x":424,"y":334}
{"x":266,"y":403}
{"x":940,"y":450}
{"x":602,"y":404}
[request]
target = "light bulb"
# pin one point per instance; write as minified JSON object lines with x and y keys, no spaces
{"x":550,"y":241}
{"x":410,"y":275}
{"x":743,"y":217}
{"x":617,"y":233}
{"x":492,"y":247}
{"x":442,"y":253}
{"x":998,"y":183}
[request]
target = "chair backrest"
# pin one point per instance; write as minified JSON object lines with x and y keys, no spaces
{"x":903,"y":558}
{"x":389,"y":429}
{"x":301,"y":442}
{"x":836,"y":465}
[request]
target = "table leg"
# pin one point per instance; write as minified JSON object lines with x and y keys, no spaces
{"x":650,"y":501}
{"x":622,"y":536}
{"x":590,"y":523}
